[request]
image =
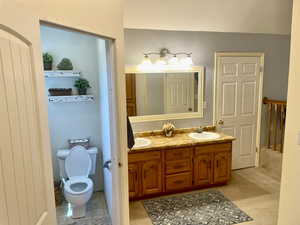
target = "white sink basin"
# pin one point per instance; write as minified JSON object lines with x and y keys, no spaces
{"x":141,"y":142}
{"x":204,"y":136}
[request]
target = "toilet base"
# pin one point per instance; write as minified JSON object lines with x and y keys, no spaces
{"x":78,"y":211}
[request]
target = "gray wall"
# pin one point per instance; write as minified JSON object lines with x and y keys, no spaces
{"x":74,"y":120}
{"x":203,"y":45}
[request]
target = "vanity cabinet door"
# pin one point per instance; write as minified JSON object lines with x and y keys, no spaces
{"x":203,"y":169}
{"x":133,"y":180}
{"x":152,"y":177}
{"x":222,"y":167}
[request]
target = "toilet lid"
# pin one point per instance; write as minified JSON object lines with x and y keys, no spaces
{"x":78,"y":162}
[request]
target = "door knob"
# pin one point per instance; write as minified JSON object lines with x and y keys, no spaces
{"x":221,"y":122}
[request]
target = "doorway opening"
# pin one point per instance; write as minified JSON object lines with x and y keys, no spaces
{"x":80,"y":115}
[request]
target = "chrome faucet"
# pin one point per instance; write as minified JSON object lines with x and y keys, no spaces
{"x":200,"y":129}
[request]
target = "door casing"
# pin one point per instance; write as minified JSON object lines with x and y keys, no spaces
{"x":260,"y":97}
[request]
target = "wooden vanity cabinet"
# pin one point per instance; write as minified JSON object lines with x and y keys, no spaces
{"x":144,"y":174}
{"x":151,"y":180}
{"x":222,"y":167}
{"x":179,"y":169}
{"x":203,"y":169}
{"x":133,"y":180}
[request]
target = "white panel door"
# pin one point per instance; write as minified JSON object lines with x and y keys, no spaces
{"x":179,"y":93}
{"x":237,"y":96}
{"x":24,"y":196}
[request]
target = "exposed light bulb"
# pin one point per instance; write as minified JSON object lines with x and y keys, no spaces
{"x":146,"y":64}
{"x":160,"y":64}
{"x":173,"y":60}
{"x":187,"y":61}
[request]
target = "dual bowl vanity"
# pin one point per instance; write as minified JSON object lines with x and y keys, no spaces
{"x":160,"y":165}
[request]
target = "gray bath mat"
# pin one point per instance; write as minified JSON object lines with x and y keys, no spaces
{"x":203,"y":208}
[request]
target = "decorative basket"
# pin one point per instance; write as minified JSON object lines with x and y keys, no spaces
{"x":60,"y":91}
{"x":47,"y":65}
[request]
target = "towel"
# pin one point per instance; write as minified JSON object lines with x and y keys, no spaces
{"x":130,"y":136}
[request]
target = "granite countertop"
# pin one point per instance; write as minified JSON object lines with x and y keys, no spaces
{"x":180,"y":139}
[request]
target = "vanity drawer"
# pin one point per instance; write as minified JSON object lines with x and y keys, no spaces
{"x":143,"y":156}
{"x":177,"y":154}
{"x":213,"y":148}
{"x":178,"y":166}
{"x":178,"y":181}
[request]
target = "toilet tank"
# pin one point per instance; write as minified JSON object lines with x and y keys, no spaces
{"x":63,"y":153}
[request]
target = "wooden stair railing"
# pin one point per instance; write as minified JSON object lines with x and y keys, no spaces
{"x":276,"y":112}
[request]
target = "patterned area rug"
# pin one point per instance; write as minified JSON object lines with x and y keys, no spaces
{"x":204,"y":208}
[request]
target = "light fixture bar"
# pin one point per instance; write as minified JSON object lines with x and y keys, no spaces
{"x":164,"y":52}
{"x":172,"y":63}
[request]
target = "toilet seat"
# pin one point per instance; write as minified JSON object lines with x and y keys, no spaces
{"x":79,"y":188}
{"x":78,"y":185}
{"x":78,"y":163}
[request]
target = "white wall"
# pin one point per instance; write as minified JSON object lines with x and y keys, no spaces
{"x":249,"y":16}
{"x":74,"y":120}
{"x":290,"y":182}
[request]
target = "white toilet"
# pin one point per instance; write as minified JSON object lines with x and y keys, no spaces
{"x":76,"y":165}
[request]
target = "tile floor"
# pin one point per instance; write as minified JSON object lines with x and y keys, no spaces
{"x":271,"y":162}
{"x":97,"y":213}
{"x":252,"y":190}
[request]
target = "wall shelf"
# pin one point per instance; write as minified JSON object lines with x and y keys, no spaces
{"x":71,"y":98}
{"x":62,"y":74}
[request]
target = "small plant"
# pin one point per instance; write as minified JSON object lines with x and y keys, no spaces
{"x":65,"y":64}
{"x":47,"y":60}
{"x":82,"y":85}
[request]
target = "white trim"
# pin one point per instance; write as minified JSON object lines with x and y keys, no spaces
{"x":120,"y":198}
{"x":259,"y":111}
{"x":135,"y":70}
{"x":177,"y":116}
{"x":260,"y":97}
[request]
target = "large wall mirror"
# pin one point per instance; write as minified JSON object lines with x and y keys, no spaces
{"x":152,"y":96}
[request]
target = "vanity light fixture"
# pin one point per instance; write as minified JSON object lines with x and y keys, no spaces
{"x":167,"y":61}
{"x":173,"y":60}
{"x":187,"y":60}
{"x":146,"y":64}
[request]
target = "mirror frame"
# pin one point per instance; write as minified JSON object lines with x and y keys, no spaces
{"x":174,"y":116}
